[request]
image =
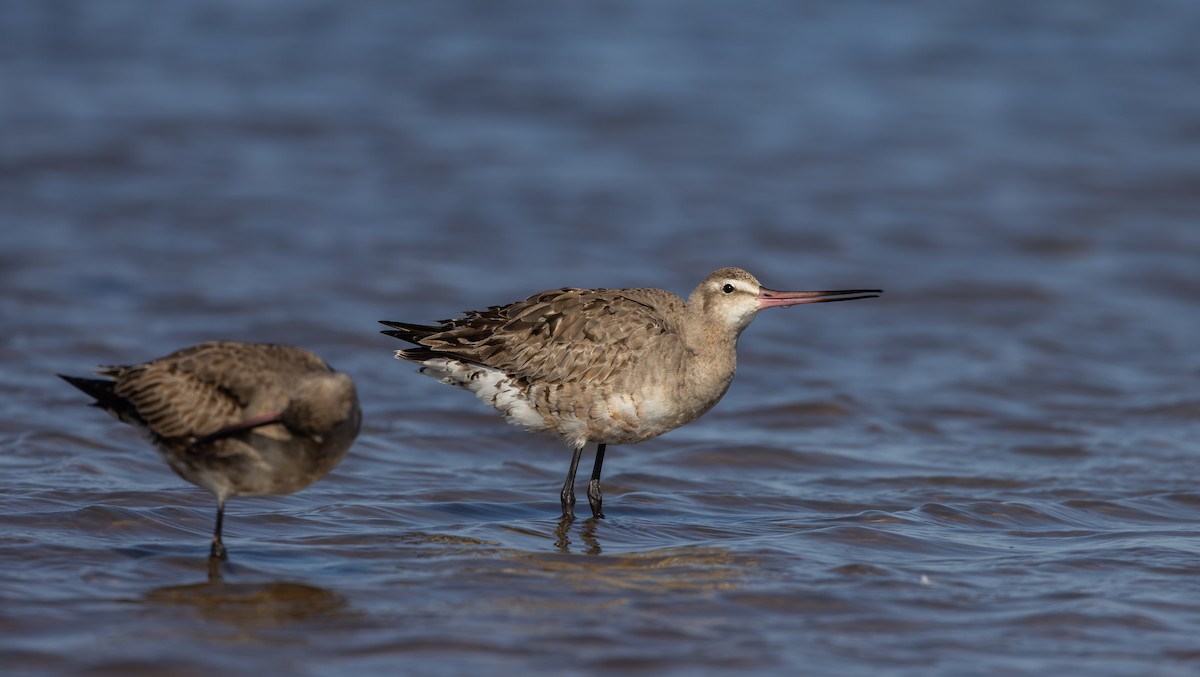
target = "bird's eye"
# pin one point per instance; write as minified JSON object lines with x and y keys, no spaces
{"x":728,"y":288}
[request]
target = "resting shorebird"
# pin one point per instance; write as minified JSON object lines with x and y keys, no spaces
{"x":238,"y":419}
{"x":601,"y":366}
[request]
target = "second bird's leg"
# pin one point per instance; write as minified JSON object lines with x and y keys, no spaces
{"x":567,"y":496}
{"x":218,"y":548}
{"x":594,"y":496}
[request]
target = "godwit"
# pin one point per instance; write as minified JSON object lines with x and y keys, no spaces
{"x":238,"y":419}
{"x":601,"y":366}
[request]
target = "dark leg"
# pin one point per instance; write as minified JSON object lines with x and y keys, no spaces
{"x":594,"y":496}
{"x":567,"y":496}
{"x":218,"y":548}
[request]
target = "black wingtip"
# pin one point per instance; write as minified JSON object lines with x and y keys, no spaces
{"x":87,"y":385}
{"x":399,"y":329}
{"x":412,"y":333}
{"x":103,"y":391}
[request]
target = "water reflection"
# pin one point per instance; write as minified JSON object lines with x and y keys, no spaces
{"x":587,"y":531}
{"x":214,"y":568}
{"x":254,"y":606}
{"x":684,"y":570}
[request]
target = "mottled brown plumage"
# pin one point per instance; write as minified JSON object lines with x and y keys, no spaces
{"x":601,"y":366}
{"x":238,"y":419}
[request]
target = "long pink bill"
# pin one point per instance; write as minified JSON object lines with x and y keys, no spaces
{"x":248,"y":424}
{"x":770,"y":298}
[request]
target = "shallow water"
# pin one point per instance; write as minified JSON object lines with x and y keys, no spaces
{"x":991,"y":470}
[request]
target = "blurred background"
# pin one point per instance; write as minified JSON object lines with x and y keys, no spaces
{"x":1017,"y":418}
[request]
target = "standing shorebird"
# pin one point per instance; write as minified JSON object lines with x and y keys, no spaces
{"x":238,"y":419}
{"x":601,"y":366}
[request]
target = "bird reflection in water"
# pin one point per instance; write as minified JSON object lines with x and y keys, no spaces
{"x":254,"y":606}
{"x":587,"y":532}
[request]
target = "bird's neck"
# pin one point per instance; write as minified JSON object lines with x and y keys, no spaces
{"x":713,"y":357}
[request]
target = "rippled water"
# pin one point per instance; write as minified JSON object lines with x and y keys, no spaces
{"x":991,"y":470}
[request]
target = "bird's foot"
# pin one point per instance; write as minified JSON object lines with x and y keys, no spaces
{"x":595,"y":498}
{"x":567,"y":499}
